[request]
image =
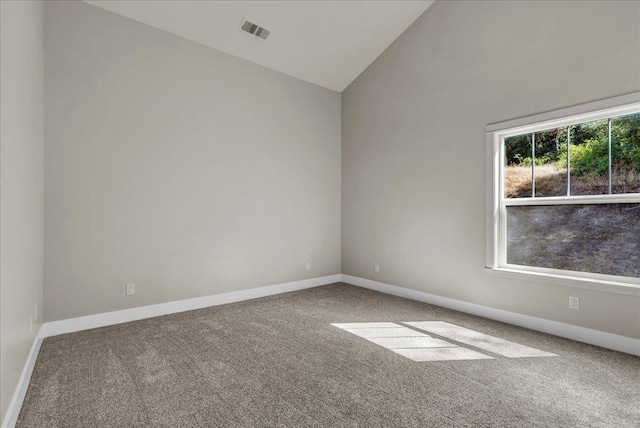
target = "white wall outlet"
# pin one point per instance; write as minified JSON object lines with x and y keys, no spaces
{"x":308,"y":266}
{"x":376,"y":267}
{"x":30,"y":323}
{"x":574,"y":302}
{"x":131,"y":289}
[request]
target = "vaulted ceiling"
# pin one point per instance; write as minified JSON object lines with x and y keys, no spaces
{"x":328,"y":43}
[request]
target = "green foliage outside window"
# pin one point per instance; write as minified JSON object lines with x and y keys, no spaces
{"x":589,"y":147}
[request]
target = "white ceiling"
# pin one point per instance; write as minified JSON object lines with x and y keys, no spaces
{"x":328,"y":43}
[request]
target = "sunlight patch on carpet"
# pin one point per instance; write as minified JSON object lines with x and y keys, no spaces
{"x":479,"y":340}
{"x":410,"y":343}
{"x":418,"y":346}
{"x":441,"y":354}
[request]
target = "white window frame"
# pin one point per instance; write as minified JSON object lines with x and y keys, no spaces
{"x":496,"y":261}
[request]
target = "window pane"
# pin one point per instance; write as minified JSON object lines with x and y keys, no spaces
{"x":551,"y":163}
{"x":590,"y":158}
{"x":625,"y":152}
{"x":598,"y":238}
{"x":517,"y":171}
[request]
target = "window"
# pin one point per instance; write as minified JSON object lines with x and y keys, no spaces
{"x":564,"y":196}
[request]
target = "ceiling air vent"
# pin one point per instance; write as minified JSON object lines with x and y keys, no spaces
{"x":256,"y":30}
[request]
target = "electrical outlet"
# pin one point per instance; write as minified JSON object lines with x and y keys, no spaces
{"x":376,"y":267}
{"x":30,"y":323}
{"x":574,"y":302}
{"x":308,"y":266}
{"x":131,"y":289}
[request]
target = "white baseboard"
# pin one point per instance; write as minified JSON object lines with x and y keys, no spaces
{"x":55,"y":328}
{"x":23,"y":383}
{"x":580,"y":334}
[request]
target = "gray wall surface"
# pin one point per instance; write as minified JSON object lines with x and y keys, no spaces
{"x":21,"y":187}
{"x":413,"y":154}
{"x":179,"y":168}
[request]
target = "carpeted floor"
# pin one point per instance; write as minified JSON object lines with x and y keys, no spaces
{"x":278,"y":362}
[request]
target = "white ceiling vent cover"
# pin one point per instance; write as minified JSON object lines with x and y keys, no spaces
{"x":256,"y":30}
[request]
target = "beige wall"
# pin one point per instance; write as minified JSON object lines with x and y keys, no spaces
{"x":413,"y":164}
{"x":179,"y":168}
{"x":21,"y":195}
{"x":190,"y":172}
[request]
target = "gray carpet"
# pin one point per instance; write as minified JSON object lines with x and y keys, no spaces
{"x":278,"y":362}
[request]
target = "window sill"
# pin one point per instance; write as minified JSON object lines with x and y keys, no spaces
{"x":627,"y":288}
